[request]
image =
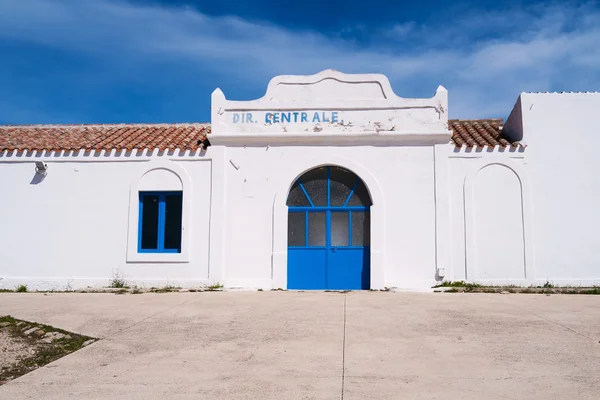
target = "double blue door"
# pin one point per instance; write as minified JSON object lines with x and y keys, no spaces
{"x":328,"y":231}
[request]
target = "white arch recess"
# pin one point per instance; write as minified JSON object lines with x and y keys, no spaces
{"x":280,"y":217}
{"x":160,"y":166}
{"x":527,"y":209}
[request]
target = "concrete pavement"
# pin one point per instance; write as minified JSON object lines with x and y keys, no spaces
{"x":303,"y":345}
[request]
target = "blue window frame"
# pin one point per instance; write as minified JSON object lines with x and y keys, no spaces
{"x":160,"y":222}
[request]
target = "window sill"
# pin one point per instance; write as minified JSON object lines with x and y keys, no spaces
{"x":135,"y":257}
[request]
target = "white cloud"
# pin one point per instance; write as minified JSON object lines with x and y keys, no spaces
{"x":401,"y":31}
{"x":484,"y":60}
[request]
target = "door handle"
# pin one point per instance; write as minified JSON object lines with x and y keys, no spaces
{"x":334,"y":249}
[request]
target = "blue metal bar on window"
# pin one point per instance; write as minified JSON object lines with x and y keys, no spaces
{"x":351,"y":192}
{"x":328,"y":186}
{"x":140,"y":219}
{"x":328,"y":228}
{"x":292,"y":247}
{"x":305,"y":193}
{"x":323,"y":208}
{"x":161,"y":223}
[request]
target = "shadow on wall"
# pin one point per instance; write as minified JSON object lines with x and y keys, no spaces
{"x":37,"y":178}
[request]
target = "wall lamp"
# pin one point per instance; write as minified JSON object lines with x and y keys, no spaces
{"x":41,"y":168}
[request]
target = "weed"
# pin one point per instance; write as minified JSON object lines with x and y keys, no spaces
{"x":165,"y":289}
{"x":472,"y":286}
{"x":260,"y":289}
{"x":118,"y":281}
{"x":216,"y":286}
{"x":21,"y":289}
{"x":451,"y":284}
{"x":469,"y":287}
{"x":548,"y":288}
{"x":595,"y":290}
{"x":69,"y":286}
{"x":136,"y":291}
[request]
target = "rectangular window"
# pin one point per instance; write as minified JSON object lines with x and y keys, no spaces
{"x":317,"y":229}
{"x":297,"y":229}
{"x":160,"y":222}
{"x":339,"y":228}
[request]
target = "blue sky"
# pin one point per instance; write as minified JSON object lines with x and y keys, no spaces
{"x":111,"y":61}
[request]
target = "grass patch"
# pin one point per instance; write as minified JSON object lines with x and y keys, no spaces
{"x":468,"y":287}
{"x":593,"y":291}
{"x":165,"y":289}
{"x":548,"y":288}
{"x":451,"y":284}
{"x":215,"y":287}
{"x":44,"y":352}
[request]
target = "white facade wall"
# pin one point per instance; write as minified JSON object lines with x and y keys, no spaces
{"x":401,"y":181}
{"x":484,"y":212}
{"x":59,"y":238}
{"x":561,"y":131}
{"x":386,"y":140}
{"x":497,"y":216}
{"x":76,"y":227}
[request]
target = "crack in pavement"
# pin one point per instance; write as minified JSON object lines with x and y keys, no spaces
{"x":554,"y":322}
{"x":145,"y":319}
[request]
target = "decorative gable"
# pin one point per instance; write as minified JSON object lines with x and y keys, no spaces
{"x":331,"y":104}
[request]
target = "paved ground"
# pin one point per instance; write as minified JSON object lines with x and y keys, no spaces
{"x":294,"y":345}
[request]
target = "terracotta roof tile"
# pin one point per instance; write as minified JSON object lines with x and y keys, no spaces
{"x":102,"y":137}
{"x":470,"y":133}
{"x":479,"y":133}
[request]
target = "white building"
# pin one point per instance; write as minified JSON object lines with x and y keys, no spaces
{"x":329,"y":181}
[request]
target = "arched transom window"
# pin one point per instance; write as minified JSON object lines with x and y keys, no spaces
{"x":329,"y":187}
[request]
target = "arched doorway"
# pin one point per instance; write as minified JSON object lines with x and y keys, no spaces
{"x":329,"y":231}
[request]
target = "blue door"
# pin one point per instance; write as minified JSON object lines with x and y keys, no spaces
{"x":328,"y":231}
